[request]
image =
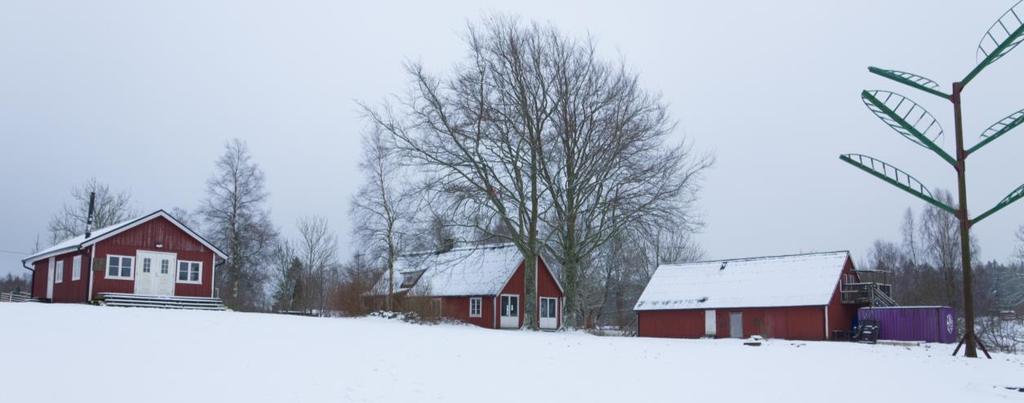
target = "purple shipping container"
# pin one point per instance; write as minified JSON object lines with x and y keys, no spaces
{"x":933,"y":324}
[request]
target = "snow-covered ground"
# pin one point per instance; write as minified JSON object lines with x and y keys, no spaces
{"x":65,"y":353}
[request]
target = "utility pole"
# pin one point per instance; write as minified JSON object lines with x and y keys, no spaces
{"x":912,"y":121}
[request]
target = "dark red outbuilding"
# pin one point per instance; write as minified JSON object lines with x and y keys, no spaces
{"x":151,"y":255}
{"x":788,"y":297}
{"x":481,"y":285}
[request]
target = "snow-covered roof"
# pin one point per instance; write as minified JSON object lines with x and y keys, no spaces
{"x":481,"y":270}
{"x":76,"y":242}
{"x":773,"y":281}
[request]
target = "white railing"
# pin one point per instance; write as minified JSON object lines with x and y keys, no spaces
{"x":14,"y":297}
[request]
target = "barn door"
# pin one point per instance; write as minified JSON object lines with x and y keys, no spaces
{"x":154,"y":274}
{"x":736,"y":325}
{"x":510,"y":311}
{"x":710,"y":323}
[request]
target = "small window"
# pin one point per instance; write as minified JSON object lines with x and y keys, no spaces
{"x":76,"y":268}
{"x":474,"y":307}
{"x":146,"y":262}
{"x":164,"y":266}
{"x":548,"y":308}
{"x":120,"y":267}
{"x":190,"y":272}
{"x":58,"y":272}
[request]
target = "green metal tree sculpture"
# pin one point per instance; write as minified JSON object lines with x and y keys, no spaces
{"x":915,"y":123}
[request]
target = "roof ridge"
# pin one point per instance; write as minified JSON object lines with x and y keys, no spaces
{"x":457,"y":249}
{"x":742,"y":259}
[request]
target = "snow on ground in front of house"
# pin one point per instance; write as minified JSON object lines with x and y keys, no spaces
{"x":64,"y":353}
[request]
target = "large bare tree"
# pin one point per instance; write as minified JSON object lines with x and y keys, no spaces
{"x":607,"y":164}
{"x":238,"y":222}
{"x":536,"y":141}
{"x":111,"y":208}
{"x":478,"y":134}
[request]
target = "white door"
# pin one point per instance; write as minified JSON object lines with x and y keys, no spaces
{"x":154,"y":273}
{"x":736,"y":325}
{"x":710,"y":323}
{"x":548,"y":313}
{"x":510,"y":311}
{"x":49,"y":278}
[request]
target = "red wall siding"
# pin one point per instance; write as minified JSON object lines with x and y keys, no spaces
{"x":546,"y":287}
{"x":39,"y":279}
{"x":840,"y":316}
{"x":145,"y":237}
{"x":69,"y":290}
{"x":679,"y":324}
{"x":515,"y":287}
{"x":797,"y":323}
{"x":458,"y":308}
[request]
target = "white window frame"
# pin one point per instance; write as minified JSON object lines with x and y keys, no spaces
{"x":479,"y":307}
{"x":554,"y":312}
{"x":177,"y":272}
{"x":76,"y":268}
{"x":118,"y":276}
{"x":58,"y":272}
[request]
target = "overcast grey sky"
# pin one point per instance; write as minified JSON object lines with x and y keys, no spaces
{"x":143,"y":96}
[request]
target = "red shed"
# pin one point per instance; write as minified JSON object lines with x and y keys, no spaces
{"x":151,"y":255}
{"x":787,"y":297}
{"x":481,"y":285}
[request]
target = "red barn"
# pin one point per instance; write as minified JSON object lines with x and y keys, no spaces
{"x":153,"y":255}
{"x":478,"y":285}
{"x":788,"y":297}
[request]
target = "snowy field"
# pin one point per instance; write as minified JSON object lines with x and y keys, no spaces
{"x":64,"y":353}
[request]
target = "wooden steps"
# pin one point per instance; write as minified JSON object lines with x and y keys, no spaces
{"x":161,"y":301}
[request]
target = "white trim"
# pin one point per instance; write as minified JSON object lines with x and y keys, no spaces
{"x":49,"y":278}
{"x":519,"y":311}
{"x":177,"y":272}
{"x":147,"y":218}
{"x":76,"y":268}
{"x":440,"y":306}
{"x":540,"y":313}
{"x":553,"y":276}
{"x":479,"y":308}
{"x":58,"y":271}
{"x":494,"y":312}
{"x":106,"y":268}
{"x":213,"y":275}
{"x":826,"y":322}
{"x":92,"y":271}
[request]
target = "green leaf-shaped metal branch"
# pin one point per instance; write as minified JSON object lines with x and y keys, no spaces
{"x":1015,"y":195}
{"x":999,"y":128}
{"x":920,"y":82}
{"x":898,"y":112}
{"x":1004,"y":35}
{"x":896,"y":177}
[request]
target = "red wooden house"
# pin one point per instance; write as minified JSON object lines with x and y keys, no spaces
{"x":789,"y":297}
{"x":478,"y":285}
{"x":153,"y":255}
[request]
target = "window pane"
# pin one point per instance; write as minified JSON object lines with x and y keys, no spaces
{"x":194,"y":276}
{"x":126,"y":267}
{"x":111,"y":266}
{"x":145,"y":265}
{"x":164,"y":264}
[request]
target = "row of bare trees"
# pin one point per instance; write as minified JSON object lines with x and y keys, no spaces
{"x":924,"y":268}
{"x":533,"y":140}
